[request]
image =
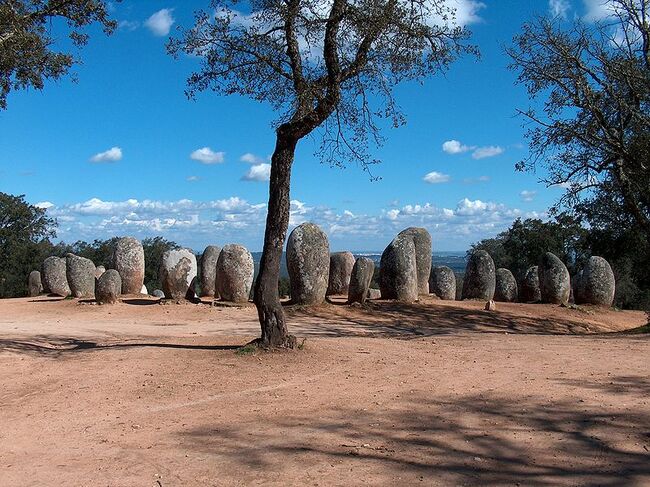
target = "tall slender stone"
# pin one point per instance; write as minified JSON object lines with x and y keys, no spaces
{"x":128,"y":260}
{"x":398,"y":277}
{"x":209,"y":271}
{"x":360,"y":280}
{"x":423,"y":255}
{"x":480,"y":277}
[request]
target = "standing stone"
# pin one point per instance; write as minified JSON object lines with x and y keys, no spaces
{"x":480,"y":277}
{"x":423,"y":250}
{"x":374,"y":293}
{"x":128,"y":260}
{"x":177,"y":269}
{"x":554,"y":280}
{"x":360,"y":280}
{"x":99,"y":270}
{"x":157,"y":293}
{"x":109,"y":287}
{"x":442,"y":283}
{"x":308,"y":263}
{"x":209,"y":271}
{"x":34,"y":284}
{"x":398,"y":277}
{"x":234,"y":276}
{"x":54,"y":276}
{"x":341,"y":264}
{"x":530,"y":292}
{"x":506,"y":286}
{"x":596,"y":284}
{"x":81,"y":276}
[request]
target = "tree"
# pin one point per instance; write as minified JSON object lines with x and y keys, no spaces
{"x":323,"y":64}
{"x":27,"y":57}
{"x":24,"y":241}
{"x":593,"y":130}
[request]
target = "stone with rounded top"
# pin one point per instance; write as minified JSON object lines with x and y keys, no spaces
{"x":506,"y":290}
{"x":80,"y":273}
{"x":530,"y":292}
{"x":54,"y":276}
{"x":480,"y":277}
{"x":442,"y":283}
{"x":341,"y":264}
{"x":596,"y":284}
{"x":398,"y":277}
{"x":209,"y":271}
{"x":34,"y":284}
{"x":308,"y":263}
{"x":423,"y":255}
{"x":128,"y":260}
{"x":109,"y":287}
{"x":360,"y":279}
{"x":554,"y":280}
{"x":157,"y":293}
{"x":234,"y":275}
{"x":177,"y":269}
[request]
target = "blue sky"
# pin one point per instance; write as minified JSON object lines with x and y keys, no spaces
{"x":123,"y":152}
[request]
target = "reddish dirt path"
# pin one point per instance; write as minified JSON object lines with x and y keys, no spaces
{"x":433,"y":394}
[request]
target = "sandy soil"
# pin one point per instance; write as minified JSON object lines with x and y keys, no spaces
{"x":437,"y":393}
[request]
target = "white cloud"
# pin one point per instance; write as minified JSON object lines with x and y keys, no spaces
{"x":129,"y":25}
{"x":258,"y":172}
{"x":44,"y":205}
{"x":253,"y":159}
{"x":192,"y":179}
{"x":467,"y":11}
{"x":392,"y":214}
{"x":598,"y":10}
{"x":489,"y":151}
{"x":480,"y":179}
{"x":207,"y":156}
{"x":559,"y":8}
{"x":436,"y":177}
{"x":455,"y":147}
{"x":528,"y":195}
{"x":161,"y":22}
{"x":113,"y":154}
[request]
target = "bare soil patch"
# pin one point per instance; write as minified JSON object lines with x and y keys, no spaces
{"x":435,"y":393}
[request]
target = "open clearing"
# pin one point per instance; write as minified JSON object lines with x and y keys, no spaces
{"x":437,"y":393}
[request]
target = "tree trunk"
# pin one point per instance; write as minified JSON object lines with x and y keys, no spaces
{"x":266,"y":295}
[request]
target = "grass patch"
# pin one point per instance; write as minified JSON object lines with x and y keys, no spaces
{"x":640,"y":329}
{"x":249,"y":349}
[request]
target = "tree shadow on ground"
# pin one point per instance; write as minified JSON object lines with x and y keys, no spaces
{"x":468,"y":440}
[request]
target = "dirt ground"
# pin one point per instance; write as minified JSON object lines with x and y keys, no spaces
{"x":435,"y":393}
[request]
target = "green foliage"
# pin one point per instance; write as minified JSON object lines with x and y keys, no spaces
{"x":24,"y":242}
{"x":284,"y":287}
{"x":154,"y":248}
{"x":27,"y":55}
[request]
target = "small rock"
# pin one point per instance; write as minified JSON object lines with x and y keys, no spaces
{"x":490,"y":305}
{"x":34,"y":284}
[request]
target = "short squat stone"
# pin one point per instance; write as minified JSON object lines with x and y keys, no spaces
{"x":341,"y":264}
{"x":308,"y":263}
{"x":234,"y":273}
{"x":506,"y":286}
{"x":442,"y":283}
{"x":480,"y":277}
{"x":360,"y":280}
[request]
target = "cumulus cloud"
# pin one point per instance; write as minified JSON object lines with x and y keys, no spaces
{"x":207,"y":156}
{"x":129,"y":25}
{"x":480,"y":179}
{"x":161,"y":22}
{"x":44,"y":205}
{"x":192,"y":179}
{"x":436,"y":177}
{"x":559,"y":8}
{"x":489,"y":151}
{"x":253,"y":159}
{"x":528,"y":195}
{"x":113,"y":154}
{"x":258,"y":172}
{"x":455,"y":147}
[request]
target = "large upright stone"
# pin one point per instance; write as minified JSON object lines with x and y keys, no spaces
{"x":596,"y":284}
{"x":34,"y":284}
{"x":234,"y":273}
{"x":54,"y":276}
{"x":308,"y":263}
{"x":177,"y":269}
{"x":442,"y":283}
{"x":398,"y":276}
{"x":423,"y":250}
{"x":360,"y":279}
{"x":109,"y":287}
{"x":554,"y":280}
{"x":341,"y":264}
{"x":209,"y":271}
{"x":80,"y":273}
{"x":530,"y":292}
{"x":128,"y":260}
{"x":506,"y":286}
{"x":480,"y":277}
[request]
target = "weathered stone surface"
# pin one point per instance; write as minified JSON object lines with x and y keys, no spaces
{"x":54,"y":276}
{"x":490,"y":305}
{"x":554,"y":280}
{"x":144,"y":290}
{"x":99,"y":270}
{"x":506,"y":286}
{"x":374,"y":293}
{"x":234,"y":276}
{"x":109,"y":287}
{"x":398,"y":277}
{"x":442,"y":283}
{"x":596,"y":284}
{"x":34,"y":284}
{"x":128,"y":260}
{"x":157,"y":293}
{"x":530,"y":292}
{"x":80,"y":273}
{"x":308,"y":263}
{"x":177,"y":269}
{"x":209,"y":271}
{"x":423,"y":250}
{"x":480,"y":277}
{"x":341,"y":264}
{"x":360,"y":279}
